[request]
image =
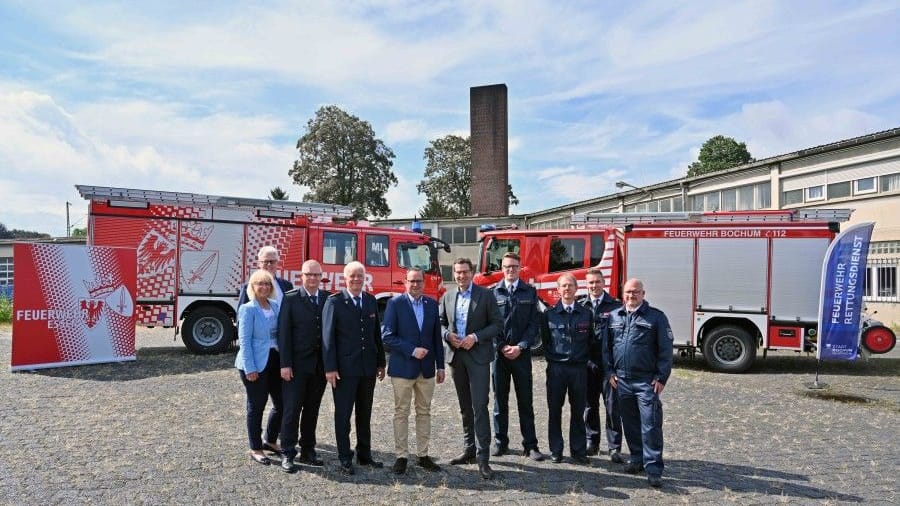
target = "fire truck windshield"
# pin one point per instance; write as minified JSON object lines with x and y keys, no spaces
{"x":423,"y":256}
{"x":495,"y":248}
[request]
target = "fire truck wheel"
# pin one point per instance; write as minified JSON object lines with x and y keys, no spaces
{"x":207,"y":330}
{"x":729,"y":349}
{"x":879,"y":339}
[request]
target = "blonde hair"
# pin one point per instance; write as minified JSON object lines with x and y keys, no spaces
{"x":258,"y":276}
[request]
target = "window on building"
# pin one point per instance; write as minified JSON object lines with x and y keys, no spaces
{"x":792,"y":197}
{"x":677,"y":204}
{"x":377,"y":248}
{"x":763,"y":195}
{"x":745,"y":198}
{"x":459,"y":235}
{"x":887,"y":281}
{"x":566,"y":254}
{"x":711,"y":201}
{"x":6,"y":271}
{"x":339,"y":248}
{"x":665,"y":205}
{"x":815,"y":193}
{"x":865,"y":185}
{"x":838,"y":190}
{"x":890,"y":182}
{"x":729,"y":200}
{"x":867,"y":283}
{"x":696,"y":202}
{"x":446,"y":234}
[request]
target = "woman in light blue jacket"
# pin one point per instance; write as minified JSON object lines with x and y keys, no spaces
{"x":258,"y":363}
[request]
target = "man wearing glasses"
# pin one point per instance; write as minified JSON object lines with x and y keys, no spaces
{"x":637,"y":366}
{"x":267,"y":259}
{"x":411,"y":332}
{"x":302,"y":367}
{"x":518,"y":303}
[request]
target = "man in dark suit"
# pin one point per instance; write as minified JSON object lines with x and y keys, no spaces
{"x":470,"y":321}
{"x":518,"y":304}
{"x":354,"y":357}
{"x":411,"y":332}
{"x":601,"y":305}
{"x":267,"y":259}
{"x":302,"y":367}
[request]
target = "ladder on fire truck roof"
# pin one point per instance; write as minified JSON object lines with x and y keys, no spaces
{"x":125,"y":195}
{"x":792,"y":215}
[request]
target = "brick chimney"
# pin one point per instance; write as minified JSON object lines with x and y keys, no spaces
{"x":490,"y":165}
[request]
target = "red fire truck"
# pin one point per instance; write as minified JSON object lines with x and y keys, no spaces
{"x":730,"y":282}
{"x":194,"y":252}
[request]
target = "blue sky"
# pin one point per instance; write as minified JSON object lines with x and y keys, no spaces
{"x":210,"y":97}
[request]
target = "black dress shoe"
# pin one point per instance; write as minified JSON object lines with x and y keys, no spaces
{"x":534,"y":454}
{"x":287,"y":465}
{"x":593,"y":449}
{"x":556,"y":458}
{"x":399,"y":466}
{"x":655,"y":481}
{"x":369,"y":462}
{"x":499,"y":450}
{"x":615,"y":456}
{"x":633,"y":468}
{"x":310,"y":459}
{"x":463,"y":458}
{"x":428,"y":464}
{"x":271,"y":448}
{"x":581,"y":460}
{"x":346,"y":468}
{"x":484,"y":469}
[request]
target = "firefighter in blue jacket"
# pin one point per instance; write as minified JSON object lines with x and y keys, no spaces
{"x":637,"y":366}
{"x":570,"y":343}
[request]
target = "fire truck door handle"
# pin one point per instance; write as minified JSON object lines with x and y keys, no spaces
{"x":398,"y":282}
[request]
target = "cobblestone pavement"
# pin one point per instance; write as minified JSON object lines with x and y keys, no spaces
{"x":169,"y":428}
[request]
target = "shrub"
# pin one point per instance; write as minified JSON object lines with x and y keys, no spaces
{"x":5,"y":309}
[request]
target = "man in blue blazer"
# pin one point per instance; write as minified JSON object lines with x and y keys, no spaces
{"x":302,"y":367}
{"x":354,"y":358}
{"x":267,"y":259}
{"x":411,"y":332}
{"x":470,"y":321}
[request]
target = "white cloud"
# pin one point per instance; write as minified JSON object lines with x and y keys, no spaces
{"x":405,"y":130}
{"x":403,"y":199}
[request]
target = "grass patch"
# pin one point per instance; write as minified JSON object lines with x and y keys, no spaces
{"x":6,"y":308}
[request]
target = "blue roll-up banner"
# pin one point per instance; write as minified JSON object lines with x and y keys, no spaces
{"x":843,"y":275}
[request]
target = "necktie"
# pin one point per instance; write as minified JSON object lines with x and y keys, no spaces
{"x":569,"y":309}
{"x":314,"y":300}
{"x":357,"y":302}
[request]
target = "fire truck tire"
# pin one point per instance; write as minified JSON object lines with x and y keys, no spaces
{"x":207,"y":330}
{"x":729,"y":349}
{"x":879,"y":339}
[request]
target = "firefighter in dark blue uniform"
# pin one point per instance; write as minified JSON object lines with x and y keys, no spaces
{"x":601,"y":305}
{"x":638,"y":365}
{"x":570,"y":343}
{"x":518,"y":304}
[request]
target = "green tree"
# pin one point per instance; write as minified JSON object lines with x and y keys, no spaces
{"x":719,"y":153}
{"x":15,"y":233}
{"x":278,"y":194}
{"x":4,"y":232}
{"x":447,"y":184}
{"x":79,"y":232}
{"x":342,"y":162}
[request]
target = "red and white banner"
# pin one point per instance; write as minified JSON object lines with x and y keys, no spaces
{"x":73,"y":305}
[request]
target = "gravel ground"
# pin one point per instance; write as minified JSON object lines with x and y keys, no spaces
{"x":169,"y":429}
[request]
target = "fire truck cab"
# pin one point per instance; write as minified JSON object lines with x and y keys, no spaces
{"x":194,"y":252}
{"x":729,"y":282}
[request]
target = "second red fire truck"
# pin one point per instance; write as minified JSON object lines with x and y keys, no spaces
{"x":730,"y":282}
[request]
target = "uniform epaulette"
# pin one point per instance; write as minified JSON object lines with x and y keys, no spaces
{"x":292,"y":292}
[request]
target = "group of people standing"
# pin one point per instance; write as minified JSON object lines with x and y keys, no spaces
{"x":295,"y":342}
